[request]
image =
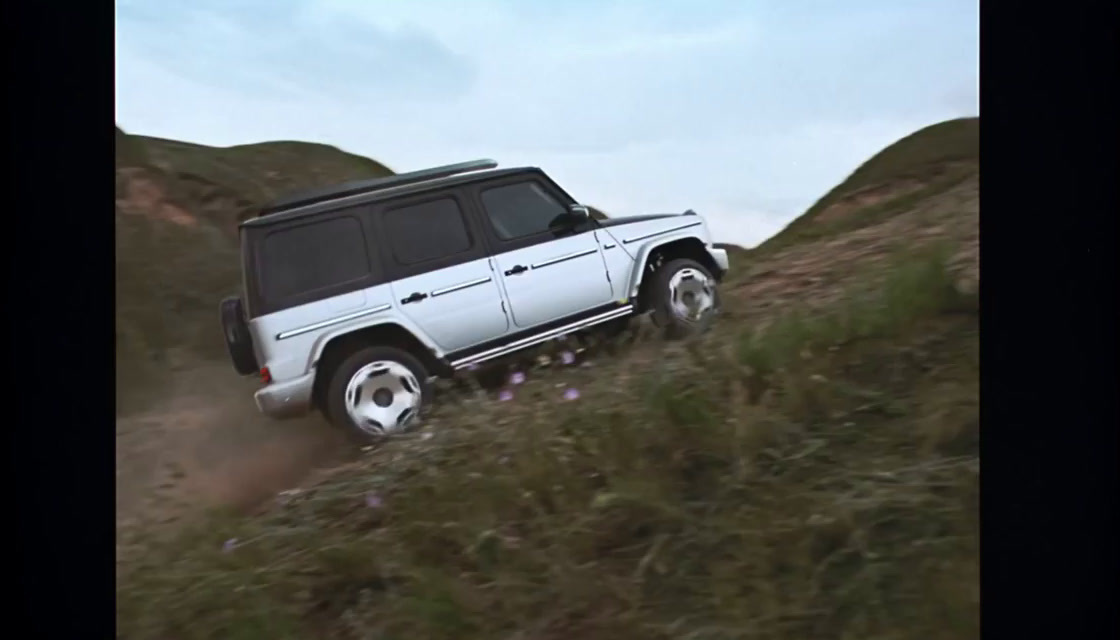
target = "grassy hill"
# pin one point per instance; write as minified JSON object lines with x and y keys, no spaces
{"x":178,"y":205}
{"x":225,"y":184}
{"x":809,"y":469}
{"x":919,"y":166}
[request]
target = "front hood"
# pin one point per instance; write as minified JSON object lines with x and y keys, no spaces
{"x":614,"y":222}
{"x":629,"y":230}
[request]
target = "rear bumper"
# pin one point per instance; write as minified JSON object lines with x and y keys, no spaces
{"x":720,"y":257}
{"x":287,"y":399}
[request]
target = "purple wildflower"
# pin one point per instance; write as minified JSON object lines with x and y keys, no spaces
{"x":568,"y":357}
{"x":517,"y":378}
{"x":373,"y":501}
{"x":571,"y":394}
{"x":229,"y":545}
{"x":505,"y":394}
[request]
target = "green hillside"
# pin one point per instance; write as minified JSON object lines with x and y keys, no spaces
{"x":807,"y":469}
{"x":915,"y":167}
{"x":227,"y":183}
{"x":178,"y":205}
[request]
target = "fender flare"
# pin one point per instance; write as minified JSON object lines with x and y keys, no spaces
{"x":642,"y":255}
{"x":394,"y":319}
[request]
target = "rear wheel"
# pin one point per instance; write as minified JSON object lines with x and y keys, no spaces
{"x":684,"y":298}
{"x":377,"y":391}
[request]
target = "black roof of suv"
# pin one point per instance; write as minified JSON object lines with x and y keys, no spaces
{"x":303,"y":203}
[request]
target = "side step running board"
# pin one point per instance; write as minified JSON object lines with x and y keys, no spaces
{"x":523,"y":343}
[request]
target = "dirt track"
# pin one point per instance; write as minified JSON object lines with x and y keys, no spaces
{"x":208,"y":447}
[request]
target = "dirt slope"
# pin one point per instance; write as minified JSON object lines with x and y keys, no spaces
{"x":188,"y":434}
{"x":910,"y":391}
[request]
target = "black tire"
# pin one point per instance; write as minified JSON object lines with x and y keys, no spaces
{"x":239,"y":342}
{"x":335,"y":393}
{"x":661,"y":301}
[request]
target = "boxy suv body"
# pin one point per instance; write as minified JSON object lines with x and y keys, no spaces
{"x":355,"y":297}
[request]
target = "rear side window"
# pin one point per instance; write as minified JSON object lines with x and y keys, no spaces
{"x":301,"y":260}
{"x":427,"y":231}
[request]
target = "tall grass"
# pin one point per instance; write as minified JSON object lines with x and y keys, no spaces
{"x":668,"y":501}
{"x":917,"y":285}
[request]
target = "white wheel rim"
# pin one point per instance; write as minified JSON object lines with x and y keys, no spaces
{"x":382,"y":397}
{"x":691,"y":294}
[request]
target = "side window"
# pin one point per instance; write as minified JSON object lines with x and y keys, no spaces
{"x":521,"y":209}
{"x":427,"y":231}
{"x":313,"y":256}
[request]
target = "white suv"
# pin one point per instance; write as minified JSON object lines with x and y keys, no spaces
{"x":355,"y":297}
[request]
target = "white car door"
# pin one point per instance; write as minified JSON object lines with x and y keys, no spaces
{"x":441,"y":277}
{"x":548,"y":272}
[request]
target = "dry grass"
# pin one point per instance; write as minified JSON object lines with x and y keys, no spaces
{"x":816,"y":478}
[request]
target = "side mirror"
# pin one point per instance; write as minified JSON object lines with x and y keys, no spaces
{"x":579,"y":213}
{"x":570,"y":220}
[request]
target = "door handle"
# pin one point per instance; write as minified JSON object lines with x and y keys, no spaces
{"x":517,"y":269}
{"x":415,"y":297}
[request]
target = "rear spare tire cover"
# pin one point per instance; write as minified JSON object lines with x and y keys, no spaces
{"x":238,"y":340}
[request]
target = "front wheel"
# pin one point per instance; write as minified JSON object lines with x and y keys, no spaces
{"x":377,"y":391}
{"x":684,"y":298}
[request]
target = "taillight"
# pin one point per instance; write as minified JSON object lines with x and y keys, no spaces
{"x":266,"y":376}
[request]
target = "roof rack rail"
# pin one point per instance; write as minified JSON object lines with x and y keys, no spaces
{"x":311,"y":196}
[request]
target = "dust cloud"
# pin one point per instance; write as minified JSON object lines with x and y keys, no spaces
{"x":205,"y":446}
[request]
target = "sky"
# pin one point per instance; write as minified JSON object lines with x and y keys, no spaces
{"x":744,"y":111}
